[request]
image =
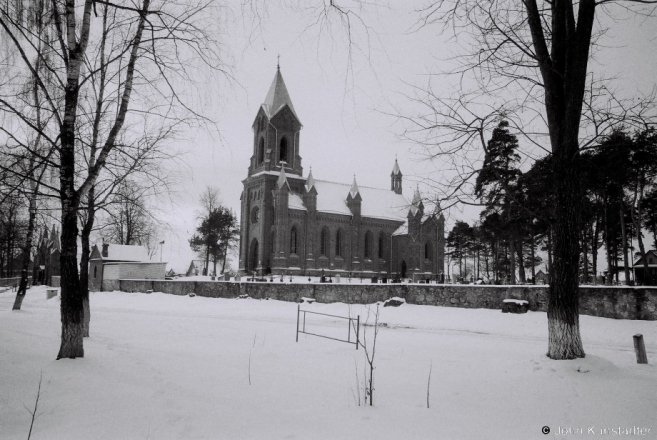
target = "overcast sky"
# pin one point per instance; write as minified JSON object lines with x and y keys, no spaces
{"x":341,"y":105}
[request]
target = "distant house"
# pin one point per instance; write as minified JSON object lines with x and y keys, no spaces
{"x":542,"y":277}
{"x":639,"y":270}
{"x":121,"y":262}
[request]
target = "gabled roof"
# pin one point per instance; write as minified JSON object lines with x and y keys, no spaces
{"x":376,"y":202}
{"x":652,"y":259}
{"x":277,"y":97}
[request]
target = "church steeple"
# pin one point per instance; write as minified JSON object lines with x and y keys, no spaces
{"x":276,"y":131}
{"x":278,"y":96}
{"x":396,"y":179}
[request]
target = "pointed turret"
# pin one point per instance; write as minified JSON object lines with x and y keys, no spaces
{"x":278,"y":96}
{"x":416,"y":204}
{"x":396,"y":179}
{"x":310,"y":181}
{"x":282,"y":180}
{"x":354,"y":191}
{"x":354,"y":200}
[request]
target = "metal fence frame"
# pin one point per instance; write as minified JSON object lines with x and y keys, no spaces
{"x":350,"y":320}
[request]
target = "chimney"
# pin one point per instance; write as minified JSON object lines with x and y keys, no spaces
{"x":105,"y":247}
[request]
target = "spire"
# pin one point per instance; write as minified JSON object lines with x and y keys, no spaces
{"x":282,"y":179}
{"x":354,"y":188}
{"x":278,"y":95}
{"x":395,"y":169}
{"x":310,"y":181}
{"x":416,"y":204}
{"x":417,"y":199}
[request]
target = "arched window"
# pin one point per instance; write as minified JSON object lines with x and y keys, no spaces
{"x":261,"y":150}
{"x":367,"y":253}
{"x":95,"y":271}
{"x":293,"y":240}
{"x":382,"y":241}
{"x":324,"y":242}
{"x":338,"y":243}
{"x":427,"y":251}
{"x":255,"y":214}
{"x":283,"y":151}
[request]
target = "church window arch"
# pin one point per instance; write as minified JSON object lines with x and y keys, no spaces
{"x":95,"y":271}
{"x":428,"y":251}
{"x":261,"y":150}
{"x":293,"y":240}
{"x":324,"y":242}
{"x":382,"y":241}
{"x":282,"y":151}
{"x":338,"y":243}
{"x":367,"y":253}
{"x":255,"y":214}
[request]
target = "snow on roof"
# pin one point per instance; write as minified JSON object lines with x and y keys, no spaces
{"x":377,"y":203}
{"x":402,"y":229}
{"x":123,"y":252}
{"x":277,"y":97}
{"x":395,"y":169}
{"x":294,"y":201}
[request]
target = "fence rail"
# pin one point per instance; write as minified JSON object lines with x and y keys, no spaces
{"x":349,"y":326}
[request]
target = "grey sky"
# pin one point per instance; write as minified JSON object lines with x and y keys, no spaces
{"x":340,"y":107}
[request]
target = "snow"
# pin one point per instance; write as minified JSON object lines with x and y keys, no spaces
{"x":173,"y":367}
{"x":376,"y":202}
{"x":520,"y":302}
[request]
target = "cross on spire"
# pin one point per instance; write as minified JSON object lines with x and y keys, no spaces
{"x":278,"y":62}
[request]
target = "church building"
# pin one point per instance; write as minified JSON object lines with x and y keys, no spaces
{"x":291,"y":224}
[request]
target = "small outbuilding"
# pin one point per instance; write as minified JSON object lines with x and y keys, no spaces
{"x":639,"y":269}
{"x":121,"y":262}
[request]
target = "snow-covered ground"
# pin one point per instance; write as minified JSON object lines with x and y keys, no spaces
{"x":169,"y":367}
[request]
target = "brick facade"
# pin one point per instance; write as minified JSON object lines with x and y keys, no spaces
{"x":283,"y":229}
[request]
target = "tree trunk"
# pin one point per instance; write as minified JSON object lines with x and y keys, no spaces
{"x":549,"y":250}
{"x":565,"y":341}
{"x":84,"y":259}
{"x":607,"y":243}
{"x":71,"y":298}
{"x":521,"y":262}
{"x":585,"y":253}
{"x":533,"y":250}
{"x":27,"y":250}
{"x":626,"y":264}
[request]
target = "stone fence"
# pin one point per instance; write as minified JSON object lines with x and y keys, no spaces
{"x":610,"y":302}
{"x":9,"y":282}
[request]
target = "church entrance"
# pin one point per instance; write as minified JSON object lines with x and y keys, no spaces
{"x":253,"y":256}
{"x":403,"y":269}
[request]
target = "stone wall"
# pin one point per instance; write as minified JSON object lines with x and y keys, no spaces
{"x":9,"y":282}
{"x":610,"y":302}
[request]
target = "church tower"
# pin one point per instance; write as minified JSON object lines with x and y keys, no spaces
{"x":276,"y":132}
{"x":396,"y":179}
{"x":276,"y":129}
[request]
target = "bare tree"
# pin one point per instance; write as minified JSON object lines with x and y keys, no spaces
{"x":152,"y":72}
{"x":538,"y":52}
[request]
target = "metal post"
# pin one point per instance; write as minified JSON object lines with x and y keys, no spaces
{"x":357,"y":330}
{"x":298,"y":311}
{"x":349,"y":330}
{"x":304,"y":321}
